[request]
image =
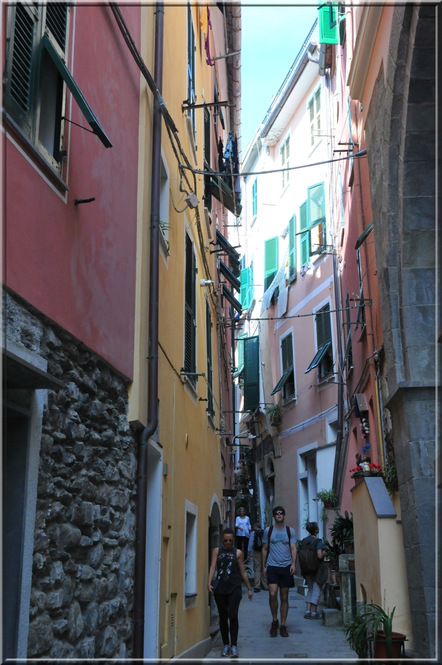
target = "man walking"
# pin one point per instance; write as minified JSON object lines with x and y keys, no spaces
{"x":278,"y":562}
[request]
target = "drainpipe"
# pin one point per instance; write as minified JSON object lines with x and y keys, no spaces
{"x":152,"y":413}
{"x":321,"y":59}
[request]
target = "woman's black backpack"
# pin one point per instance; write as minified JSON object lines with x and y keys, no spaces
{"x":308,"y":559}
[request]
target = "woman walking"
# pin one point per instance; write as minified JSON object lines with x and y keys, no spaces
{"x":229,"y":564}
{"x":313,"y":579}
{"x":243,"y":529}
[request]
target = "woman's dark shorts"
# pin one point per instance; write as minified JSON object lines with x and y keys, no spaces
{"x":281,"y":576}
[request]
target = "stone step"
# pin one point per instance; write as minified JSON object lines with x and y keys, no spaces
{"x":332,"y":617}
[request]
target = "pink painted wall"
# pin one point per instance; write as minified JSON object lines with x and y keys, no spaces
{"x":76,"y":264}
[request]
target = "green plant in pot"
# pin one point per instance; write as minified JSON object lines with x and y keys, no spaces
{"x":373,"y":622}
{"x":329,"y":499}
{"x":274,"y":413}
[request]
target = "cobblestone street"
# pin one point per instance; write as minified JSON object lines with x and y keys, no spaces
{"x":308,"y":639}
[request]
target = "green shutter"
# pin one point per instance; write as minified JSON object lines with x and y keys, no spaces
{"x":292,"y":248}
{"x":245,"y":291}
{"x":323,"y":325}
{"x":287,"y":352}
{"x":304,"y":237}
{"x":255,"y":198}
{"x":210,"y":410}
{"x":251,"y":373}
{"x":76,"y":92}
{"x":328,"y":24}
{"x":190,"y":311}
{"x":270,"y":261}
{"x":19,"y":85}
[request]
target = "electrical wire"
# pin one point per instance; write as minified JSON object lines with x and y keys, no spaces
{"x":361,"y":153}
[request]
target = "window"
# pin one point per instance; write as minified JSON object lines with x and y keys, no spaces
{"x":285,"y":161}
{"x":292,"y":249}
{"x":210,"y":410}
{"x":255,"y":198}
{"x":36,"y":76}
{"x":314,"y":112}
{"x":239,"y":354}
{"x":191,"y":94}
{"x":312,"y":228}
{"x":316,"y":217}
{"x":323,"y":358}
{"x":287,"y":380}
{"x":190,"y":311}
{"x":271,"y":260}
{"x":190,"y":554}
{"x":164,"y":204}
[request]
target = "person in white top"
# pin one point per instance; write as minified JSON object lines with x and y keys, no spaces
{"x":243,"y":529}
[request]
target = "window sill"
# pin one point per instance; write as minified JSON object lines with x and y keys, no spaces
{"x":31,"y":151}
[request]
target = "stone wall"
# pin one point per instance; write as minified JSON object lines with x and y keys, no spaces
{"x":401,"y":152}
{"x":83,"y":558}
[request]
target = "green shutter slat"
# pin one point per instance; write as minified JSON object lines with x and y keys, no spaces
{"x":251,"y":373}
{"x":76,"y":93}
{"x":245,"y":288}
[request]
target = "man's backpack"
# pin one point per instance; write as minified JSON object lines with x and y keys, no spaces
{"x":308,"y":559}
{"x":257,"y":540}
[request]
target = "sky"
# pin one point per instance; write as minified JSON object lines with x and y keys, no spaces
{"x":271,"y":36}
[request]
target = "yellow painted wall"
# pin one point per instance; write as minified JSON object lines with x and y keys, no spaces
{"x":380,"y":561}
{"x":188,"y":439}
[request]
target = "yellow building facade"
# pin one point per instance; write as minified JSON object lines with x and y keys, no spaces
{"x":182,"y":374}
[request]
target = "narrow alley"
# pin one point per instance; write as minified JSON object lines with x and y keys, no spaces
{"x":308,"y":639}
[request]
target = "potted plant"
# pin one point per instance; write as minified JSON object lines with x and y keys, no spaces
{"x":274,"y":413}
{"x":356,"y":635}
{"x":342,"y":533}
{"x":329,"y":499}
{"x":368,"y":623}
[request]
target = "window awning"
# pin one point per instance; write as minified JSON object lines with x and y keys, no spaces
{"x":320,"y":353}
{"x":232,"y":300}
{"x":363,"y":235}
{"x":221,"y":191}
{"x":76,"y":93}
{"x":228,"y":274}
{"x":283,"y":380}
{"x":19,"y":373}
{"x":234,"y":257}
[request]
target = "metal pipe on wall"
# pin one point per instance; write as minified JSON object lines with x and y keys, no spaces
{"x":152,"y":413}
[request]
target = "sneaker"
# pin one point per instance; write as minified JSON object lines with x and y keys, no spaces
{"x":274,"y":628}
{"x":283,"y":631}
{"x":307,"y":615}
{"x":234,"y":651}
{"x":316,"y":615}
{"x":226,"y":651}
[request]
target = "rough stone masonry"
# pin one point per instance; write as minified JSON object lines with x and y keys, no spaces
{"x":83,"y":552}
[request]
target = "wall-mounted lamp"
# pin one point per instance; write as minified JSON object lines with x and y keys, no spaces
{"x":206,"y":282}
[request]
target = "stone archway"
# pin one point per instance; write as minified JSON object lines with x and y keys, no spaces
{"x":401,"y":130}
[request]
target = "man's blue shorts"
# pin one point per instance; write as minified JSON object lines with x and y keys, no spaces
{"x":281,"y":576}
